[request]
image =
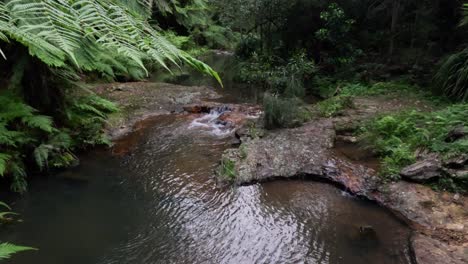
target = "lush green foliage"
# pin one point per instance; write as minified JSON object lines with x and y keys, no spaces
{"x":7,"y":250}
{"x":452,"y":77}
{"x":397,"y":137}
{"x":26,"y":134}
{"x":102,"y":36}
{"x":283,"y":77}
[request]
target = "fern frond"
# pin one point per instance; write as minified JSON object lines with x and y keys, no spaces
{"x":7,"y":249}
{"x":41,"y":155}
{"x":73,"y":32}
{"x":4,"y":158}
{"x":39,"y":121}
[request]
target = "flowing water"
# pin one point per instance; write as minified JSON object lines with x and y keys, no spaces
{"x":159,"y":202}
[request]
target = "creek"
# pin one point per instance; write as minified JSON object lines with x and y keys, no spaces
{"x":160,"y":203}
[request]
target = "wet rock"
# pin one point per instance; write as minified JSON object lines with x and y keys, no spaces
{"x":423,"y":170}
{"x":431,"y":251}
{"x":307,"y":152}
{"x":285,"y":153}
{"x":457,"y":133}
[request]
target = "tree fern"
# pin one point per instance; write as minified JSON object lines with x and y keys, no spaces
{"x":59,"y":32}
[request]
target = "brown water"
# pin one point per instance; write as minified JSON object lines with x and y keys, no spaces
{"x":156,"y":200}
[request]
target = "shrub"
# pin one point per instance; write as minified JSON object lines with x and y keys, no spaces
{"x":248,"y":46}
{"x":452,"y":76}
{"x":283,"y":112}
{"x":283,"y":78}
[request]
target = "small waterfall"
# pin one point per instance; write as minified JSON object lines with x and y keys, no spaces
{"x":212,"y":124}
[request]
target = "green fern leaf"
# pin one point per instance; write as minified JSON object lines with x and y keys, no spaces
{"x":39,"y":121}
{"x":7,"y":249}
{"x":4,"y":158}
{"x":41,"y":155}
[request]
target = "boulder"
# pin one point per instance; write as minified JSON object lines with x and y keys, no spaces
{"x":423,"y":170}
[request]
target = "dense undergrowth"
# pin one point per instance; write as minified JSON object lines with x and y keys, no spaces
{"x":398,"y":137}
{"x":26,"y":135}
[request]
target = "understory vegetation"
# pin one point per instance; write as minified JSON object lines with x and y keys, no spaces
{"x":398,"y":136}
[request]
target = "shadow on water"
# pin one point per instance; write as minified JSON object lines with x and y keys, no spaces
{"x":157,"y":201}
